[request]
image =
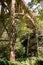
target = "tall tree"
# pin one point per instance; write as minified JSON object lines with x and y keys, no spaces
{"x":12,"y":33}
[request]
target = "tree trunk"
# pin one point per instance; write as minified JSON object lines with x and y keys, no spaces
{"x":28,"y":45}
{"x":37,"y":41}
{"x":37,"y":44}
{"x":13,"y":32}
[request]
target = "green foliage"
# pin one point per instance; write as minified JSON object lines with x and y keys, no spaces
{"x":21,"y":29}
{"x":19,"y":49}
{"x":37,"y":0}
{"x":28,"y":61}
{"x":5,"y":62}
{"x":4,"y":50}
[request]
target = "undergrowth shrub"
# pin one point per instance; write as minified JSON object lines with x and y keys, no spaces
{"x":5,"y":62}
{"x":27,"y":61}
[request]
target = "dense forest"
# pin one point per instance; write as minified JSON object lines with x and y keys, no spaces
{"x":21,"y":32}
